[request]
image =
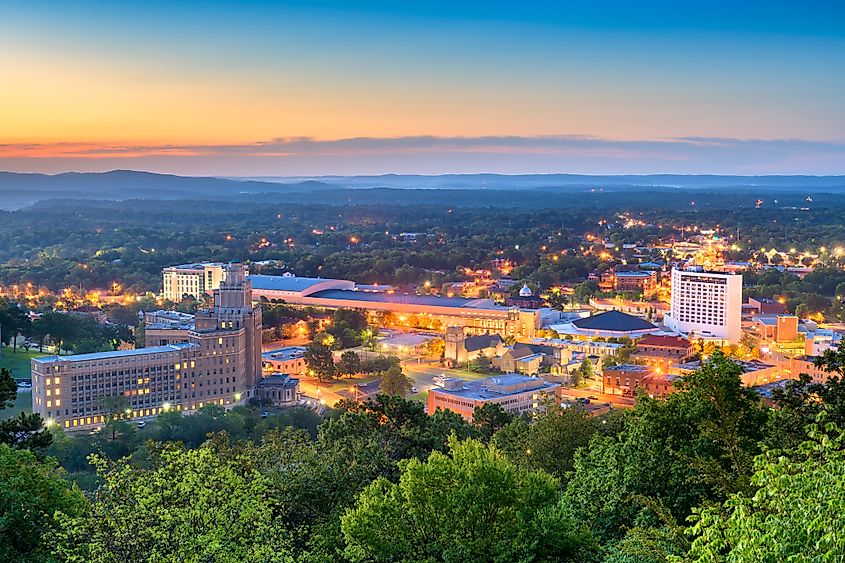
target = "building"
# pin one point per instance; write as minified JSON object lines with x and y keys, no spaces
{"x":195,"y":280}
{"x":635,"y":281}
{"x":663,"y":349}
{"x":461,"y":348}
{"x":525,"y":300}
{"x":477,"y":316}
{"x":527,"y":359}
{"x":754,"y":372}
{"x":219,"y":363}
{"x":166,"y":327}
{"x":624,"y":379}
{"x":777,"y":328}
{"x":279,"y":389}
{"x":609,"y":324}
{"x":805,"y":364}
{"x":706,"y":305}
{"x":659,"y":384}
{"x":763,"y":306}
{"x":513,"y":392}
{"x":289,"y":360}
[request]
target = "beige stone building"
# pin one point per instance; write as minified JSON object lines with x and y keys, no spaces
{"x":219,"y":362}
{"x":196,"y":280}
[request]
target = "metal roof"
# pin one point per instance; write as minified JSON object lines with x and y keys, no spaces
{"x":116,"y":354}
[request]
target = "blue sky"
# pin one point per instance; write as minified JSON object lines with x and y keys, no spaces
{"x":601,"y":87}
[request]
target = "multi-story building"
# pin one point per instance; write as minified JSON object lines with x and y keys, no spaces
{"x":513,"y":392}
{"x":706,"y":305}
{"x":624,"y":379}
{"x":662,"y":350}
{"x":218,"y":363}
{"x":196,"y":280}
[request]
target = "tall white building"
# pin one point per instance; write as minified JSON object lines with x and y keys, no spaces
{"x":706,"y":305}
{"x":192,"y":279}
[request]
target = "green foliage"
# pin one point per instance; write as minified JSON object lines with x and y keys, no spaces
{"x":191,"y":505}
{"x":793,"y":513}
{"x":489,"y":419}
{"x":550,"y":441}
{"x":25,"y":431}
{"x":395,"y":382}
{"x":470,"y":505}
{"x":696,"y":445}
{"x":319,"y":359}
{"x":349,"y":363}
{"x":32,"y":492}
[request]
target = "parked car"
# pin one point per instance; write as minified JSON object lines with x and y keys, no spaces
{"x":141,"y":424}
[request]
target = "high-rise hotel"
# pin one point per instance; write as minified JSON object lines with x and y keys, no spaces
{"x":706,"y":305}
{"x":218,"y":362}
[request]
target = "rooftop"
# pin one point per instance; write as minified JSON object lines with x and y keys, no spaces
{"x":286,"y":283}
{"x":633,"y":274}
{"x":407,"y":299}
{"x":499,"y":386}
{"x":114,"y":354}
{"x":286,"y":353}
{"x":669,"y":341}
{"x":481,"y":341}
{"x":628,"y":367}
{"x":195,"y":266}
{"x":614,"y":321}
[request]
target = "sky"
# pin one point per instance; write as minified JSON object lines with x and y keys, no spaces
{"x":325,"y":87}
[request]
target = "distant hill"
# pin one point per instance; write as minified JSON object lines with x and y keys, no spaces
{"x":21,"y":190}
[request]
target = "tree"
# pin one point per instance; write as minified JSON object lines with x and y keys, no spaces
{"x":13,"y":322}
{"x":470,"y":505}
{"x":32,"y":492}
{"x":395,"y":382}
{"x":349,"y":363}
{"x":695,"y":445}
{"x":319,"y":359}
{"x":793,"y":513}
{"x":191,"y":505}
{"x":489,"y":418}
{"x":25,"y":431}
{"x":550,"y":441}
{"x":800,"y":402}
{"x":114,"y":407}
{"x":585,"y":370}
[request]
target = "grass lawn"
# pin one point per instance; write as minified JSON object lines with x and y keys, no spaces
{"x":18,"y":364}
{"x":344,"y":383}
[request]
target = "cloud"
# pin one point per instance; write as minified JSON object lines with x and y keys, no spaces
{"x":434,"y":155}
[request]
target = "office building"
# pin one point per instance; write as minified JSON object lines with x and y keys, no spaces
{"x":706,"y":305}
{"x":513,"y":392}
{"x":195,"y":280}
{"x":218,"y":363}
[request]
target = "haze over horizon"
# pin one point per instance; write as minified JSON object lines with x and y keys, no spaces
{"x":320,"y":88}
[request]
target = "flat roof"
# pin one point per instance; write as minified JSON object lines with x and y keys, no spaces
{"x":480,"y":388}
{"x":286,"y":353}
{"x":115,"y":353}
{"x":406,"y":299}
{"x":286,"y":283}
{"x":194,"y":266}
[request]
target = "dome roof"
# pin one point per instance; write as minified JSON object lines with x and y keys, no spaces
{"x":525,"y":291}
